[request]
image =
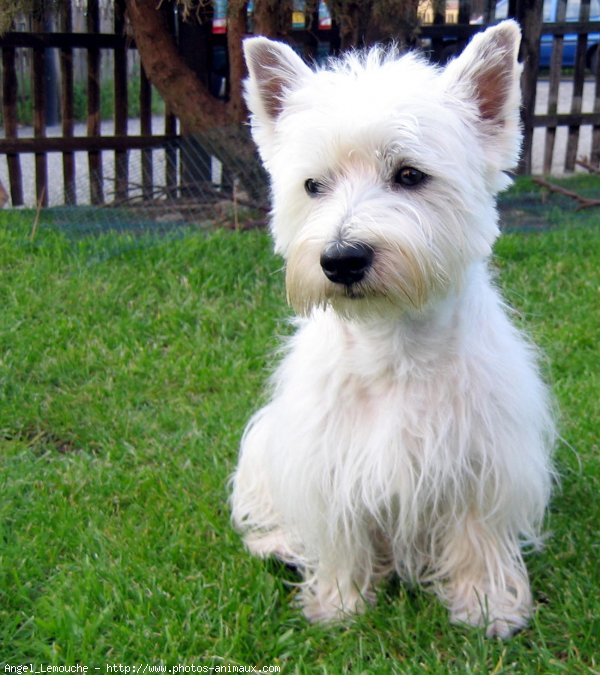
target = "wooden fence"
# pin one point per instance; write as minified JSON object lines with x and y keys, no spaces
{"x":575,"y":119}
{"x":94,"y":144}
{"x":584,"y":73}
{"x":439,"y":35}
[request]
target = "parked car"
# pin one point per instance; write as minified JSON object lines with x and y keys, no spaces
{"x":219,"y":23}
{"x":219,"y":27}
{"x":452,"y":47}
{"x":550,"y":12}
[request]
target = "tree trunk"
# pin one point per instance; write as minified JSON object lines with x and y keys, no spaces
{"x":272,"y":18}
{"x":364,"y":23}
{"x":236,"y":30}
{"x":352,"y":17}
{"x":529,"y":15}
{"x":396,"y":20}
{"x":185,"y":95}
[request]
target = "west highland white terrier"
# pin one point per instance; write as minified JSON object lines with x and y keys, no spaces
{"x":408,"y":428}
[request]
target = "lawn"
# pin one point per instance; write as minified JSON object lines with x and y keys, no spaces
{"x":128,"y":368}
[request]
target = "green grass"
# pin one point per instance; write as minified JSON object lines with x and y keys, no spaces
{"x":128,"y":368}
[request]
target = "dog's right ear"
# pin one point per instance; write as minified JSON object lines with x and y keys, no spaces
{"x":487,"y":75}
{"x":275,"y":69}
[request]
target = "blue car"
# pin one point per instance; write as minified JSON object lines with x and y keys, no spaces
{"x":570,"y":39}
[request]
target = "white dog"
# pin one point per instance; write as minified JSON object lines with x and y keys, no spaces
{"x":408,"y":428}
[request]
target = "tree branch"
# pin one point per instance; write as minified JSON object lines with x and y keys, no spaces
{"x":186,"y":96}
{"x":583,"y":202}
{"x":586,"y":165}
{"x":236,"y":30}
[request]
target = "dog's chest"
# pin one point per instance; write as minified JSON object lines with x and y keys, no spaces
{"x":372,"y":400}
{"x":387,"y":446}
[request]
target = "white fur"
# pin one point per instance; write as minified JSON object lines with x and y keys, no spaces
{"x":408,"y":429}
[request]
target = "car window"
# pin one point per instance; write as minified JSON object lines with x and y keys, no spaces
{"x":574,"y":7}
{"x":502,"y":9}
{"x":548,"y":13}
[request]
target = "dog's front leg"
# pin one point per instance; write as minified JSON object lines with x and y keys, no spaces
{"x":339,"y":586}
{"x":487,"y":583}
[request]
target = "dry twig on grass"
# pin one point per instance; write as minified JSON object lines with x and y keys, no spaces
{"x":582,"y":202}
{"x":586,"y":165}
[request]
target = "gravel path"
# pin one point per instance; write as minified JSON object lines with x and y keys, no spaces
{"x":55,"y":189}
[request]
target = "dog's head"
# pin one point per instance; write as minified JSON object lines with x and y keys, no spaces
{"x":384,"y":169}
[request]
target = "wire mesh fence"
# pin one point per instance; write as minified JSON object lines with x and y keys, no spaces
{"x":202,"y":181}
{"x":216,"y":179}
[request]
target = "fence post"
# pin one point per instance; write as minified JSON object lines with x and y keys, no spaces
{"x":66,"y":106}
{"x":554,"y":86}
{"x":39,"y":116}
{"x":146,"y":130}
{"x":439,"y":19}
{"x":595,"y":151}
{"x":93,"y":112}
{"x":51,"y":75}
{"x":121,"y":112}
{"x":194,"y":45}
{"x":578,"y":83}
{"x":529,"y":15}
{"x":464,"y":12}
{"x":11,"y":125}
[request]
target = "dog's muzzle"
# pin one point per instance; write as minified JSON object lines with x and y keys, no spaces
{"x":346,"y":262}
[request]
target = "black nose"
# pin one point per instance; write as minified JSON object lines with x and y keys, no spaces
{"x":346,"y":262}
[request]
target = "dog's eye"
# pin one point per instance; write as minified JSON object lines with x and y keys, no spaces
{"x":313,"y":187}
{"x":408,"y":176}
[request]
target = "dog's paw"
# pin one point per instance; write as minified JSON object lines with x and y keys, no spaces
{"x":273,"y":543}
{"x":495,"y":626}
{"x":323,"y":602}
{"x":499,"y":615}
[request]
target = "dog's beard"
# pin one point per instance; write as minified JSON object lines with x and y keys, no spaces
{"x":400,"y":278}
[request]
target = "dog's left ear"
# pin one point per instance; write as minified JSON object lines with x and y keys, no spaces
{"x":487,"y":73}
{"x":274,"y":69}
